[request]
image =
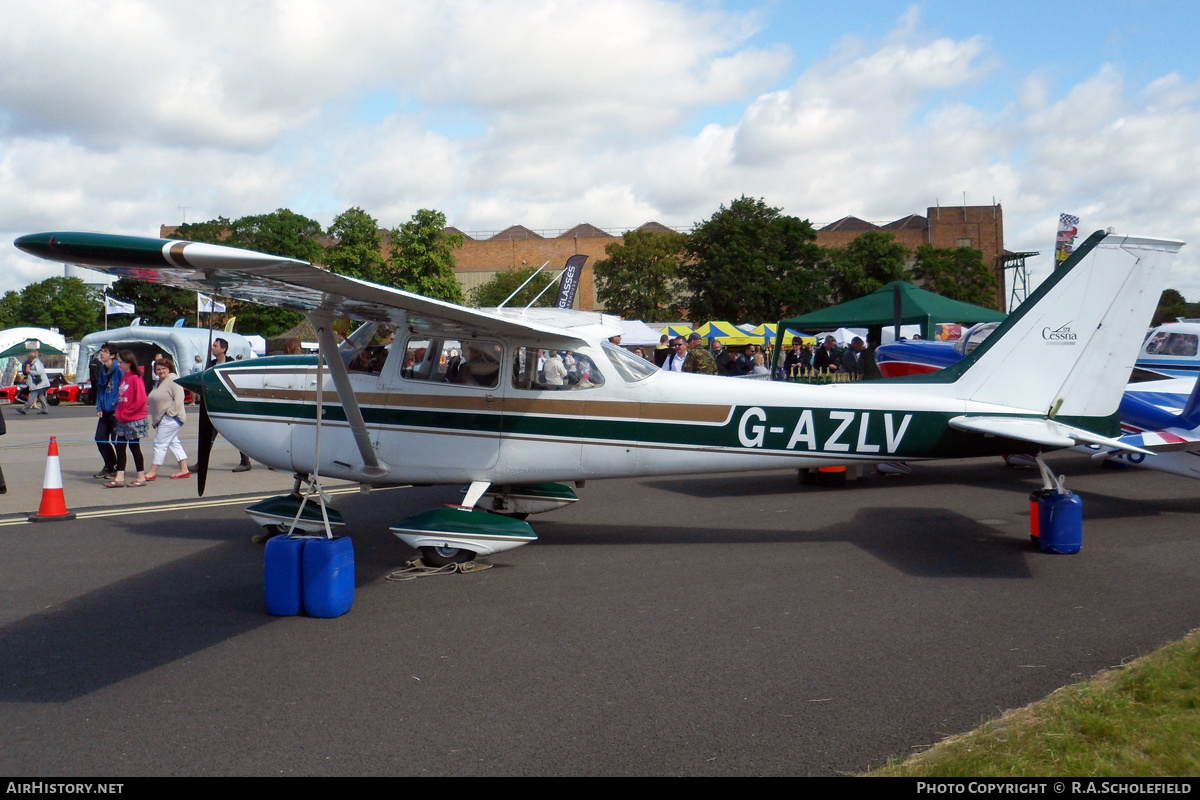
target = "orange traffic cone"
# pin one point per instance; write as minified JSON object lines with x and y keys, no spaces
{"x":54,"y":504}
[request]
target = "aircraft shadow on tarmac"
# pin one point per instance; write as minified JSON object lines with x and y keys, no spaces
{"x":165,"y":613}
{"x":980,"y":472}
{"x":183,"y":607}
{"x":923,"y":542}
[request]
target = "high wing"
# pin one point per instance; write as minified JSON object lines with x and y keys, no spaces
{"x":297,"y":285}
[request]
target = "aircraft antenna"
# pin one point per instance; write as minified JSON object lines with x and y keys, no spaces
{"x":522,"y":286}
{"x":553,"y":281}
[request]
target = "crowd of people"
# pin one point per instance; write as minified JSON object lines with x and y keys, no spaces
{"x":802,"y":360}
{"x":126,"y":413}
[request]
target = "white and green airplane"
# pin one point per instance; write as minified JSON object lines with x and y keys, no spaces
{"x":517,"y":403}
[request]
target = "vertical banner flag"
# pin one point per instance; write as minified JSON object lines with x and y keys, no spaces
{"x":569,"y":281}
{"x":1064,"y":245}
{"x":114,"y":306}
{"x":204,"y":303}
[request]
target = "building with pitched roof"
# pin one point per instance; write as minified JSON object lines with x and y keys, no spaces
{"x":486,"y":253}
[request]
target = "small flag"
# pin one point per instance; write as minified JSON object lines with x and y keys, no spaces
{"x":115,"y":306}
{"x":204,"y":303}
{"x":569,"y":281}
{"x":1064,"y":245}
{"x":179,"y":323}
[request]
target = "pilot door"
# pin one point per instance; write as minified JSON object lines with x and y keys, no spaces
{"x":440,"y":412}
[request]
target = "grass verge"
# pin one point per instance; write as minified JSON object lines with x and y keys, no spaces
{"x":1141,"y":719}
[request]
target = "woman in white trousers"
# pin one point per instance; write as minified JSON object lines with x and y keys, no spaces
{"x":167,"y":415}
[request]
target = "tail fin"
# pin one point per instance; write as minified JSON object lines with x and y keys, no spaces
{"x":1067,"y":351}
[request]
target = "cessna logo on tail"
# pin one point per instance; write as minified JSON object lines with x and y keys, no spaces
{"x":1060,"y":335}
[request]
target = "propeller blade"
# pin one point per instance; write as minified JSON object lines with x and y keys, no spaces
{"x":207,"y":433}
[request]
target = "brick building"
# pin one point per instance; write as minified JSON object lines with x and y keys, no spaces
{"x":981,"y":227}
{"x":486,"y":253}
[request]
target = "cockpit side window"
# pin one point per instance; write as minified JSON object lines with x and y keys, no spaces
{"x":1173,"y":344}
{"x":370,"y":357}
{"x":462,"y":362}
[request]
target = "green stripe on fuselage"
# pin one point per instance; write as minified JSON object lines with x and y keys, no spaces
{"x":852,"y":433}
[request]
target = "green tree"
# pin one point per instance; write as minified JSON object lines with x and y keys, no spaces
{"x":155,"y":304}
{"x":357,"y":250}
{"x":64,"y":303}
{"x":957,"y":273}
{"x":640,"y":277}
{"x":1171,"y":306}
{"x":496,"y":291}
{"x":281,"y":233}
{"x":10,"y":310}
{"x":750,"y":263}
{"x":865,"y":265}
{"x":422,"y":257}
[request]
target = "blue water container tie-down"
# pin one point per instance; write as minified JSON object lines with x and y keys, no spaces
{"x":282,"y":575}
{"x":309,"y":575}
{"x":1060,"y":523}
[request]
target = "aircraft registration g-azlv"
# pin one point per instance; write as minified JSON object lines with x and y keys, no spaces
{"x":431,"y":392}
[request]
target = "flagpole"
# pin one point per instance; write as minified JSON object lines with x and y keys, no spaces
{"x":106,"y":310}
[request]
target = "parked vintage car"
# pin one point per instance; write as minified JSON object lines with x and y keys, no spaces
{"x":19,"y":393}
{"x":73,"y":392}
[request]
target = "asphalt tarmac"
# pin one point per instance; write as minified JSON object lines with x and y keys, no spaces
{"x":717,"y":625}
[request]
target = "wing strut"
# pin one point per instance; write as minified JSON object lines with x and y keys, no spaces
{"x":341,"y":380}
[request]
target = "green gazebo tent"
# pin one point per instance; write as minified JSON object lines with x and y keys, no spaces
{"x":21,"y":348}
{"x":917,"y":307}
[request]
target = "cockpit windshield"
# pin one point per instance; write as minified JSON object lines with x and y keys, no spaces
{"x":629,"y":366}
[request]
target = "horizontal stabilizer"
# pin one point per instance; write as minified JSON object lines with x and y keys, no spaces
{"x":1042,"y":431}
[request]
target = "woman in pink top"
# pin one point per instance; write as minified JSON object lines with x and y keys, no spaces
{"x":133,"y":420}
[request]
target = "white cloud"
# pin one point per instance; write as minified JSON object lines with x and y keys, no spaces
{"x":113,"y":115}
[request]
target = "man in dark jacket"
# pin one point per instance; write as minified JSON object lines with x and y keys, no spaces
{"x":108,"y":382}
{"x":220,"y":351}
{"x":827,"y":358}
{"x":852,"y":359}
{"x":724,"y":358}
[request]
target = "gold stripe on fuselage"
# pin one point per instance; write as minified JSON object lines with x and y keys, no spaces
{"x":554,"y":406}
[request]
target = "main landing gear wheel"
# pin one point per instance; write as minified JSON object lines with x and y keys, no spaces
{"x":444,"y":556}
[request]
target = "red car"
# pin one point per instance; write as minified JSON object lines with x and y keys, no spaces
{"x":73,"y":392}
{"x":59,"y":390}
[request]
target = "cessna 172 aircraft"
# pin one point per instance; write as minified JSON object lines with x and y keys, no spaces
{"x":431,"y":392}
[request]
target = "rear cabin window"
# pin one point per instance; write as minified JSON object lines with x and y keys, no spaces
{"x":545,"y":370}
{"x":463,"y":362}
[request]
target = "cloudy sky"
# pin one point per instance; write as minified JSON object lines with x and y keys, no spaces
{"x":118,"y":116}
